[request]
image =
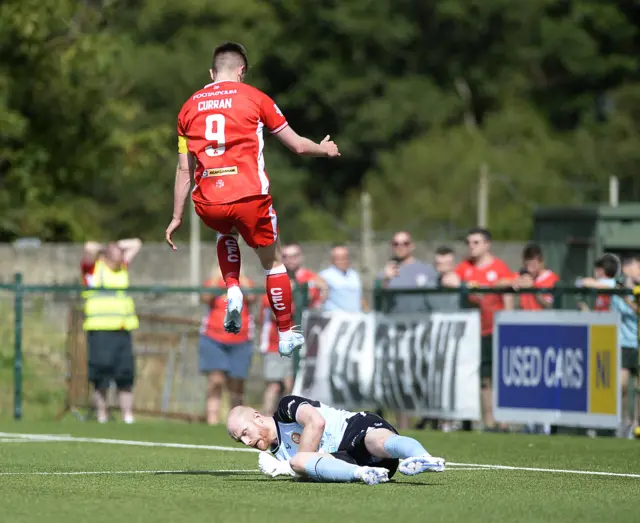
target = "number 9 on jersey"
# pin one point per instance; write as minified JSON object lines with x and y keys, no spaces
{"x":214,"y":132}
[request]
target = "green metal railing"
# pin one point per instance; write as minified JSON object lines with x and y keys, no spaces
{"x":19,"y":290}
{"x":381,"y":297}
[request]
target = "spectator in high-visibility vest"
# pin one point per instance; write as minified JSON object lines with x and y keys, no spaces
{"x":109,"y":319}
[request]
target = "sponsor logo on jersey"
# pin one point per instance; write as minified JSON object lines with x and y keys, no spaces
{"x":219,"y":184}
{"x":295,"y":437}
{"x":214,"y":93}
{"x":222,"y":171}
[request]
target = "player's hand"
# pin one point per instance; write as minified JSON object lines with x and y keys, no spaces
{"x":267,"y":464}
{"x":330,"y":148}
{"x":173,"y":227}
{"x":272,"y":467}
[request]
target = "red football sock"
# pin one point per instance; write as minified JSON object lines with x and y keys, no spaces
{"x":229,"y":259}
{"x":279,"y":294}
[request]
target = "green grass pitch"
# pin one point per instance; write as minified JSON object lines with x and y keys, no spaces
{"x":133,"y":483}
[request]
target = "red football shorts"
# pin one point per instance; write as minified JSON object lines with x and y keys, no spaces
{"x":253,"y":217}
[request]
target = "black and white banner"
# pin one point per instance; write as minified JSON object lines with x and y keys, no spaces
{"x":424,"y":364}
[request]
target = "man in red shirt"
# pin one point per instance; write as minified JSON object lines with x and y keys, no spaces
{"x":225,"y":358}
{"x":220,"y":141}
{"x":483,"y":269}
{"x":537,"y":276}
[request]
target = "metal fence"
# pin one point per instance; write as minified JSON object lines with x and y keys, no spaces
{"x":42,"y":341}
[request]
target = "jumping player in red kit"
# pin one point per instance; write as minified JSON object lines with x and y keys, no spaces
{"x":220,"y":140}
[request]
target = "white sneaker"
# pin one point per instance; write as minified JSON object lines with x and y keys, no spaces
{"x":419,"y":464}
{"x":102,"y":418}
{"x":128,"y":420}
{"x":372,"y":475}
{"x":289,"y":341}
{"x":233,"y":316}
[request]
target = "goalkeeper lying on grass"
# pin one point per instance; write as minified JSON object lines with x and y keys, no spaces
{"x":307,"y":439}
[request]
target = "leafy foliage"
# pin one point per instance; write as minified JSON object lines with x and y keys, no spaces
{"x":418,"y":94}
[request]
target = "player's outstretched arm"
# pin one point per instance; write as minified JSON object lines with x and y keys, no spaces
{"x":181,"y":190}
{"x":305,"y":147}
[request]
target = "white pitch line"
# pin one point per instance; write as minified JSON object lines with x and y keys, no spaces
{"x":449,"y":469}
{"x":71,"y":439}
{"x":20,"y":440}
{"x":533,"y":469}
{"x":125,"y":472}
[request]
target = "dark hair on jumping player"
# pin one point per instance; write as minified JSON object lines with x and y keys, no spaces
{"x":532,"y":252}
{"x":609,"y":264}
{"x":226,"y":52}
{"x":482,"y":231}
{"x":444,"y":250}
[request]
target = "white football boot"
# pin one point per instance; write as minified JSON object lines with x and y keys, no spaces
{"x":419,"y":464}
{"x":372,"y":475}
{"x":233,"y":316}
{"x":289,"y":341}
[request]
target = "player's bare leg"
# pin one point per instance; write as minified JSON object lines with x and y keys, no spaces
{"x":383,"y":443}
{"x":279,"y":293}
{"x":325,"y":468}
{"x":229,"y":261}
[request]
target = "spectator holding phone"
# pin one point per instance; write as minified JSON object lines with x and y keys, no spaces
{"x":535,"y":275}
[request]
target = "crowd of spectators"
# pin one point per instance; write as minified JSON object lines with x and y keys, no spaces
{"x":225,"y":359}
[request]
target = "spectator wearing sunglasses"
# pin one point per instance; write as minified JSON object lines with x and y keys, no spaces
{"x":482,"y":269}
{"x":404,"y":271}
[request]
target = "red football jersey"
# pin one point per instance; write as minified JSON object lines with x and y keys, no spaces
{"x":546,"y":279}
{"x":221,"y":126}
{"x":485,"y":276}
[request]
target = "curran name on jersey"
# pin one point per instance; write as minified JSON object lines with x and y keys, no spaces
{"x":207,"y":105}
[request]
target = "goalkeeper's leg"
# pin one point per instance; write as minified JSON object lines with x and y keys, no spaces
{"x":383,"y":443}
{"x":325,"y":468}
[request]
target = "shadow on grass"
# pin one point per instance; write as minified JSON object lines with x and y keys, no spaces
{"x":208,"y":473}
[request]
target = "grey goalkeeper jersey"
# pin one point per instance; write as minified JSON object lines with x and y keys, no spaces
{"x":290,"y":431}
